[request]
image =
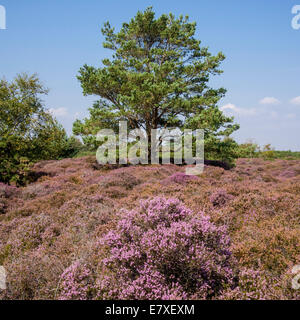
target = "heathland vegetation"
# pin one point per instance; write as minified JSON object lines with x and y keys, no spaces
{"x":147,"y":232}
{"x":73,"y":229}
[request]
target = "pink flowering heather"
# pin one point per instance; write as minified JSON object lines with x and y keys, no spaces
{"x":179,"y":178}
{"x":156,"y":249}
{"x":162,"y":251}
{"x":6,"y":192}
{"x":75,"y":283}
{"x":220,"y":198}
{"x":119,"y":178}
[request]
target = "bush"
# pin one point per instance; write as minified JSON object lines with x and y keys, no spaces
{"x":162,"y":251}
{"x":179,"y":178}
{"x":28,"y":132}
{"x":75,"y":282}
{"x":268,"y":153}
{"x":72,"y":147}
{"x":50,"y":224}
{"x":120,"y":178}
{"x":225,"y":150}
{"x":220,"y":198}
{"x":6,"y":192}
{"x":248,"y":150}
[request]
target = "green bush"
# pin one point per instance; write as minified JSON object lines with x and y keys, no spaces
{"x":72,"y":148}
{"x":267,"y":153}
{"x":225,"y":150}
{"x":28,"y":132}
{"x":248,"y":150}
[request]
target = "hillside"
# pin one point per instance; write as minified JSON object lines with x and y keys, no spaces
{"x":52,"y":231}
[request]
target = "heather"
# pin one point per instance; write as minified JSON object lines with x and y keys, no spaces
{"x":160,"y":251}
{"x":82,"y":231}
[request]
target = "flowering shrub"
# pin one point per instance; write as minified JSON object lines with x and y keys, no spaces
{"x":7,"y":191}
{"x":290,"y":173}
{"x":256,"y":285}
{"x":220,"y":198}
{"x":120,"y":178}
{"x":75,"y":282}
{"x":59,"y":219}
{"x":179,"y":178}
{"x":29,"y":233}
{"x":162,"y":251}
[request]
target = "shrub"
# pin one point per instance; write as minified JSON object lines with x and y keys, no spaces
{"x":7,"y":191}
{"x":29,"y":233}
{"x":120,"y":178}
{"x":75,"y":282}
{"x":50,"y":224}
{"x":162,"y":251}
{"x":220,"y":198}
{"x":268,"y":153}
{"x":247,"y":150}
{"x":225,"y":150}
{"x":32,"y":275}
{"x":72,"y":147}
{"x":179,"y":178}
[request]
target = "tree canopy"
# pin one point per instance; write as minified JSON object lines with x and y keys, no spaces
{"x":158,"y":77}
{"x":28,"y":132}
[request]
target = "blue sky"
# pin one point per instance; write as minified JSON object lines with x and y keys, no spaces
{"x":54,"y":38}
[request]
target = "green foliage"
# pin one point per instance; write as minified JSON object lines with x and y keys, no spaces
{"x":85,"y":153}
{"x":267,"y":153}
{"x":248,"y":150}
{"x":158,"y":77}
{"x":252,"y":150}
{"x":27,"y":131}
{"x":287,"y":155}
{"x":225,"y":150}
{"x":72,"y":148}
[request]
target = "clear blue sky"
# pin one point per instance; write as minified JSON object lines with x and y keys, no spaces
{"x":54,"y":38}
